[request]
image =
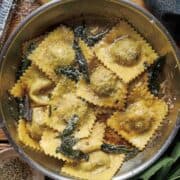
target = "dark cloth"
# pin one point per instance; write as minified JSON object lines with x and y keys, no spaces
{"x":168,"y":12}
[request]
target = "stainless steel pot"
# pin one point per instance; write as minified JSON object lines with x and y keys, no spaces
{"x":56,"y":12}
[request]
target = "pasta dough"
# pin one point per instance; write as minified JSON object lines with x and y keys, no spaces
{"x":141,"y":119}
{"x":67,"y":106}
{"x":36,"y":84}
{"x":104,"y":89}
{"x":49,"y":142}
{"x":94,"y":141}
{"x":100,"y":166}
{"x":125,"y":52}
{"x":56,"y":50}
{"x":24,"y":136}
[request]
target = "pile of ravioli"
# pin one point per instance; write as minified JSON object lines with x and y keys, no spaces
{"x":115,"y":101}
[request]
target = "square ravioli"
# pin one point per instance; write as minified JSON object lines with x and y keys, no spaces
{"x":24,"y":136}
{"x":104,"y":88}
{"x":143,"y":115}
{"x":63,"y":108}
{"x":100,"y":166}
{"x":55,"y":51}
{"x":94,"y":141}
{"x":36,"y":84}
{"x":49,"y":143}
{"x":84,"y":96}
{"x":125,"y":52}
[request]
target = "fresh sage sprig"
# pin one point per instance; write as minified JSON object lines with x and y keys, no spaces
{"x":167,"y":167}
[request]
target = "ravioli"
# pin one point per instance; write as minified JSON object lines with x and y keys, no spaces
{"x":87,"y":89}
{"x":24,"y":136}
{"x":101,"y":110}
{"x":39,"y":115}
{"x":36,"y":84}
{"x":67,"y":106}
{"x":141,"y":119}
{"x":49,"y":142}
{"x":37,"y":125}
{"x":112,"y":137}
{"x":94,"y":141}
{"x":64,"y":86}
{"x":99,"y":166}
{"x":125,"y":52}
{"x":56,"y":50}
{"x":104,"y":89}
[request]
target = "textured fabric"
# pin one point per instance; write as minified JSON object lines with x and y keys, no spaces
{"x":168,"y":12}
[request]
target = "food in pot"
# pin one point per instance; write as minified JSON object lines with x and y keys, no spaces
{"x":84,"y":97}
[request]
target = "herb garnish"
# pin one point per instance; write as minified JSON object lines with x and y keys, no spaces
{"x":13,"y":106}
{"x":81,"y":67}
{"x":118,"y":149}
{"x":83,"y":32}
{"x":80,"y":31}
{"x":71,"y":126}
{"x":153,"y":73}
{"x":68,"y":141}
{"x":20,"y":107}
{"x":25,"y":110}
{"x":69,"y":71}
{"x":81,"y":61}
{"x":93,"y":39}
{"x":25,"y":63}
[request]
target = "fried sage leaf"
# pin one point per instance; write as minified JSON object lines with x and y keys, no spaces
{"x":25,"y":110}
{"x":71,"y":126}
{"x":83,"y":32}
{"x":68,"y":141}
{"x":66,"y":148}
{"x":81,"y":61}
{"x":80,"y":31}
{"x":20,"y":107}
{"x":25,"y":63}
{"x":93,"y":39}
{"x":13,"y":106}
{"x":154,"y":72}
{"x":118,"y":149}
{"x":69,"y":71}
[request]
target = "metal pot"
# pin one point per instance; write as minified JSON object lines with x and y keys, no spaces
{"x":56,"y":12}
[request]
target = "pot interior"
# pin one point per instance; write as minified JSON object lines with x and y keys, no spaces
{"x":101,"y":11}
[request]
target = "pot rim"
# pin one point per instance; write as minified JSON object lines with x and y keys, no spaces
{"x":138,"y":169}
